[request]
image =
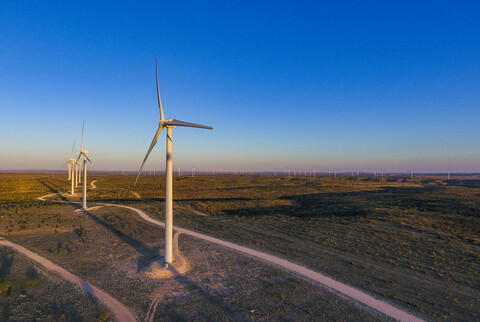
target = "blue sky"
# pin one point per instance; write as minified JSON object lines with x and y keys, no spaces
{"x":333,"y":85}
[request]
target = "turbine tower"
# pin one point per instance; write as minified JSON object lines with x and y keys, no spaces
{"x":411,"y":174}
{"x":69,"y":169}
{"x":75,"y":171}
{"x":85,"y":158}
{"x":80,"y":174}
{"x":70,"y":162}
{"x":169,"y":124}
{"x":76,"y":174}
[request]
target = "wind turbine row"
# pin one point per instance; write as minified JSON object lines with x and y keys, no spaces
{"x":169,"y":124}
{"x":74,"y":171}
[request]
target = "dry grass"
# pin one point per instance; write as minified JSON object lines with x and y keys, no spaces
{"x":415,"y":244}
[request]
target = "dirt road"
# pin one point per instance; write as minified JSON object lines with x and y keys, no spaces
{"x":121,"y":312}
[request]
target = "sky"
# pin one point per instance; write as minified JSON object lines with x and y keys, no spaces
{"x":345,"y":85}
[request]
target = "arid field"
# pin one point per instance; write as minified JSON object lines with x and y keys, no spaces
{"x":414,"y":244}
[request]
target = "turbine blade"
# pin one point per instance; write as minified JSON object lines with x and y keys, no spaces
{"x":83,"y":126}
{"x":79,"y":155}
{"x":162,"y":117}
{"x":73,"y":146}
{"x":154,"y":141}
{"x":88,"y":159}
{"x":181,"y":123}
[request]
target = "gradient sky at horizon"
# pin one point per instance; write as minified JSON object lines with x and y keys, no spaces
{"x":342,"y":85}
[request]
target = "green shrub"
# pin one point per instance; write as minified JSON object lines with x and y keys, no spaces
{"x":103,"y":316}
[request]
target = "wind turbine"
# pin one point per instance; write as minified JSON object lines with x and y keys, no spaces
{"x":411,"y":174}
{"x":85,"y":158}
{"x":70,"y":162}
{"x":169,"y":124}
{"x":75,"y":171}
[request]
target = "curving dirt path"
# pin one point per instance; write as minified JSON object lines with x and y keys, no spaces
{"x":330,"y":283}
{"x":121,"y":312}
{"x":343,"y":289}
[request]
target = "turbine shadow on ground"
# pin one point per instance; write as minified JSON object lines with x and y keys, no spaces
{"x":59,"y":194}
{"x":54,"y":185}
{"x":148,"y":254}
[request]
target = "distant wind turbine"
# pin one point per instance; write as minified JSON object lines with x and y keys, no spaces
{"x":169,"y":124}
{"x":75,"y":167}
{"x":73,"y":180}
{"x":70,"y":162}
{"x":77,"y":173}
{"x":84,"y":153}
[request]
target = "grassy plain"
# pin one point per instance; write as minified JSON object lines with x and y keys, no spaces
{"x":415,"y":244}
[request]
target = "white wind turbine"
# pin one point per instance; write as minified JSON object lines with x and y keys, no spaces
{"x":74,"y":175}
{"x":169,"y":124}
{"x":76,"y":172}
{"x":411,"y":174}
{"x":70,"y":162}
{"x":85,"y":158}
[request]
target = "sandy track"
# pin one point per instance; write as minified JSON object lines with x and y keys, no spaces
{"x":121,"y":312}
